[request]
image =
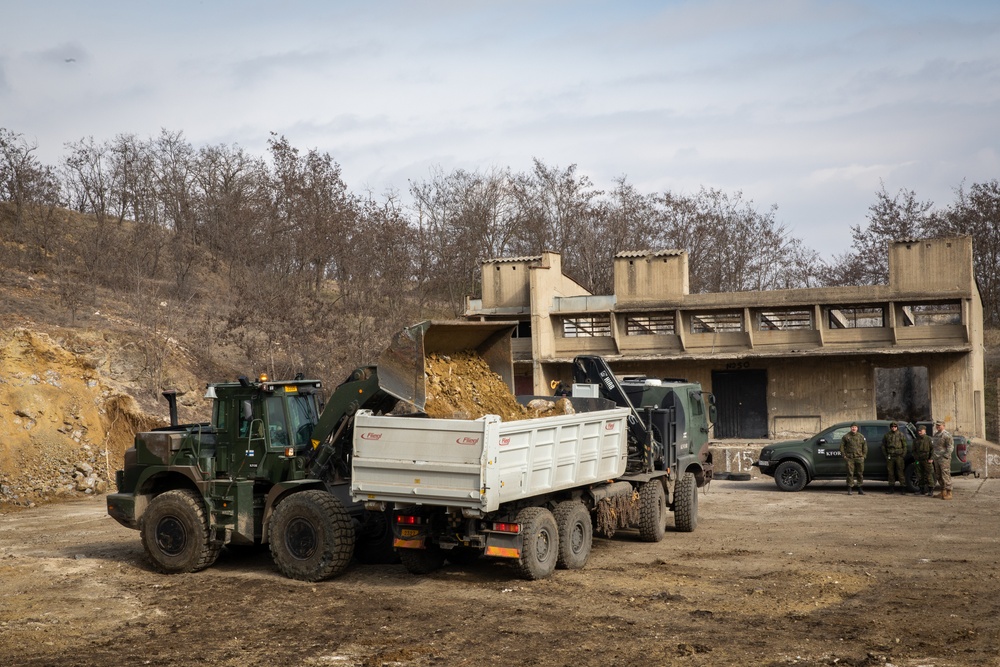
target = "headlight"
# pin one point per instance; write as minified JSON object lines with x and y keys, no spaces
{"x":765,"y":454}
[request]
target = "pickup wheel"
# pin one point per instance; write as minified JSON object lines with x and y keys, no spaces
{"x":311,"y":536}
{"x":652,"y":511}
{"x":686,"y":503}
{"x":790,"y":476}
{"x":910,"y":476}
{"x":175,"y":533}
{"x":421,"y":561}
{"x":576,"y":534}
{"x":539,"y":543}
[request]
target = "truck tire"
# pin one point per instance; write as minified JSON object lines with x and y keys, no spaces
{"x":421,"y":561}
{"x":576,"y":534}
{"x":652,"y":511}
{"x":175,"y":533}
{"x":539,"y":543}
{"x":790,"y":476}
{"x":311,"y":536}
{"x":686,"y":503}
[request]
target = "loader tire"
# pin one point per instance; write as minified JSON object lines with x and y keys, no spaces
{"x":686,"y":503}
{"x":652,"y":511}
{"x":576,"y":534}
{"x":175,"y":533}
{"x":422,"y":561}
{"x":311,"y":536}
{"x":539,"y":543}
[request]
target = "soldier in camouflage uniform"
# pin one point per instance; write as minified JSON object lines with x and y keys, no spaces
{"x":854,"y":449}
{"x":923,"y":461}
{"x":943,"y":447}
{"x":894,"y":451}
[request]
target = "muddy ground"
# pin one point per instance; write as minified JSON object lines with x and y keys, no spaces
{"x":768,"y":578}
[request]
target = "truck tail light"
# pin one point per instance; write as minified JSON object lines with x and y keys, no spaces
{"x":961,"y":449}
{"x":408,"y":520}
{"x":507,"y":527}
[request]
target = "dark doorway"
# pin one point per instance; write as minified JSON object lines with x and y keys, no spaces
{"x":741,"y":401}
{"x":903,"y":394}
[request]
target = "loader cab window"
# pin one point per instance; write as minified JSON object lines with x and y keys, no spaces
{"x":277,"y":424}
{"x":246,"y":418}
{"x":302,"y":417}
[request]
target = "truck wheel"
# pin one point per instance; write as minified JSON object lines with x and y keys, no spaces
{"x":539,"y":543}
{"x":175,"y":533}
{"x":311,"y":536}
{"x":652,"y":511}
{"x":790,"y":476}
{"x":686,"y":503}
{"x":576,"y":534}
{"x":421,"y":561}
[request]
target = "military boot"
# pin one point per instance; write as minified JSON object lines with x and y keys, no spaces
{"x":849,"y":489}
{"x":892,"y":489}
{"x":946,"y":494}
{"x":930,"y":491}
{"x":861,"y":491}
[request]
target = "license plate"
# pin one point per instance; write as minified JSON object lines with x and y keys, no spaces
{"x":408,"y":532}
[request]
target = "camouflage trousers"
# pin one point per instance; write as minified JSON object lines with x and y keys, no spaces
{"x":895,"y":470}
{"x":925,"y":473}
{"x":855,"y":471}
{"x":942,"y":472}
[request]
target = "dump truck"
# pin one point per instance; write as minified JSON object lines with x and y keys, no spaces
{"x":273,"y":464}
{"x":532,"y":491}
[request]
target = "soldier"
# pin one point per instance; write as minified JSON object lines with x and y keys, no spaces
{"x":894,"y":451}
{"x":854,"y":449}
{"x":923,"y":461}
{"x":943,"y":447}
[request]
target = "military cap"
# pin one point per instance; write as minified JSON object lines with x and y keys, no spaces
{"x":922,"y":428}
{"x":894,"y":424}
{"x":854,"y":423}
{"x":939,"y":421}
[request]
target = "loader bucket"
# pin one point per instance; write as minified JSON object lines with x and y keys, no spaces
{"x":401,"y":365}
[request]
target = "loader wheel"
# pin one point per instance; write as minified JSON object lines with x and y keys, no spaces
{"x":422,"y":561}
{"x":175,"y":533}
{"x":539,"y":543}
{"x":311,"y":536}
{"x":652,"y":511}
{"x":686,"y":503}
{"x":576,"y":534}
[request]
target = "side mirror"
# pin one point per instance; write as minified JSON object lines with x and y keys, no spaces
{"x":821,"y":441}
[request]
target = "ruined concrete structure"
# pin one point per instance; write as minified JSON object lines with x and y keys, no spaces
{"x":780,"y":362}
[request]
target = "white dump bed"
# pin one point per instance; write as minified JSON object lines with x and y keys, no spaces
{"x":484,"y":462}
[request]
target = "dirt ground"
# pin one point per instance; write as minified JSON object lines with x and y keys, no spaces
{"x":768,"y":578}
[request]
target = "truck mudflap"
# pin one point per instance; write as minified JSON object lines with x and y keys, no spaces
{"x":503,"y":545}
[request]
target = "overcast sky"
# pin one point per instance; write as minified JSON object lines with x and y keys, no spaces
{"x":807,"y":105}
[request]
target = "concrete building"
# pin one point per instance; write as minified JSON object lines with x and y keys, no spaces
{"x":781,"y":363}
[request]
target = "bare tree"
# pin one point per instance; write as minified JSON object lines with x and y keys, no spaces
{"x":890,"y":218}
{"x":976,"y":213}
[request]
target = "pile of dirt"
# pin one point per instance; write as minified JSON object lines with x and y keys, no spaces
{"x":462,"y":386}
{"x":65,"y":430}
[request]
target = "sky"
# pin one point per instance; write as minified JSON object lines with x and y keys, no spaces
{"x":810,"y":106}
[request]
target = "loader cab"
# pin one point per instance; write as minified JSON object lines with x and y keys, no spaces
{"x":264,"y":426}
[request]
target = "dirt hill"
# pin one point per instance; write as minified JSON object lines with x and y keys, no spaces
{"x":68,"y":411}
